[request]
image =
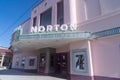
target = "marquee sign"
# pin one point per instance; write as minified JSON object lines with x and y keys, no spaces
{"x":51,"y":28}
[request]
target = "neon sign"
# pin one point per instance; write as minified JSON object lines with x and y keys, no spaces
{"x":50,"y":28}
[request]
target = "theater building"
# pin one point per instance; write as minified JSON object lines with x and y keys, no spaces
{"x":76,"y":39}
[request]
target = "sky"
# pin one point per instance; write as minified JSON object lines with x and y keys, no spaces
{"x":10,"y":12}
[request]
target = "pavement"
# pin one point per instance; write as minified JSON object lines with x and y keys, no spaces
{"x":11,"y":74}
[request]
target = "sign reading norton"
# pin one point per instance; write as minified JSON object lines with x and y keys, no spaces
{"x":51,"y":28}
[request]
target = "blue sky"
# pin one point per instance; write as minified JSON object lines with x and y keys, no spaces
{"x":10,"y":11}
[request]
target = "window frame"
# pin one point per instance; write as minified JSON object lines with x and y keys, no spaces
{"x":61,"y":18}
{"x":43,"y":13}
{"x":35,"y":21}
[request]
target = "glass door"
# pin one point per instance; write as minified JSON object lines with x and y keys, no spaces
{"x":61,"y":65}
{"x":42,"y":63}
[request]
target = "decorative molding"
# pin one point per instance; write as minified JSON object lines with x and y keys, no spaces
{"x":106,"y":33}
{"x":82,"y":35}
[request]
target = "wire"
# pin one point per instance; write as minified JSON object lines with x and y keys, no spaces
{"x":9,"y":27}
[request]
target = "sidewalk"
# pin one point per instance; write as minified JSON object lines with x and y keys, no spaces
{"x":10,"y":74}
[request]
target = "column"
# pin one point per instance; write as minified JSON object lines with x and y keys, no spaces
{"x":47,"y":66}
{"x":73,"y":17}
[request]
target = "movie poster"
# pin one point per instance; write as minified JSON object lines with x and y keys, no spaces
{"x":32,"y":61}
{"x":79,"y":61}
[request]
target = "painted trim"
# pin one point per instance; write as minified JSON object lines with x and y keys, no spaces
{"x":90,"y":59}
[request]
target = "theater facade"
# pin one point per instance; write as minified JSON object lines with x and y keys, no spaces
{"x":75,"y":39}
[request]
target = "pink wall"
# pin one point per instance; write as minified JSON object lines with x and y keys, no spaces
{"x":26,"y":27}
{"x":78,"y":45}
{"x":101,"y":23}
{"x":108,"y":6}
{"x":100,"y":15}
{"x":106,"y":56}
{"x":87,"y":9}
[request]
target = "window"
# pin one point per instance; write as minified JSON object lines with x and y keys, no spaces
{"x":34,"y":21}
{"x":46,"y":18}
{"x":60,"y":12}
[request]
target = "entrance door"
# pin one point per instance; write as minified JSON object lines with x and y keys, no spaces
{"x":42,"y":63}
{"x":61,"y":63}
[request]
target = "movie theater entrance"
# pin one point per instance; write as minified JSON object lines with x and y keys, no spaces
{"x":61,"y":64}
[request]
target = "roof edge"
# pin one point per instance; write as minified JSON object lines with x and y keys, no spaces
{"x":38,"y":4}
